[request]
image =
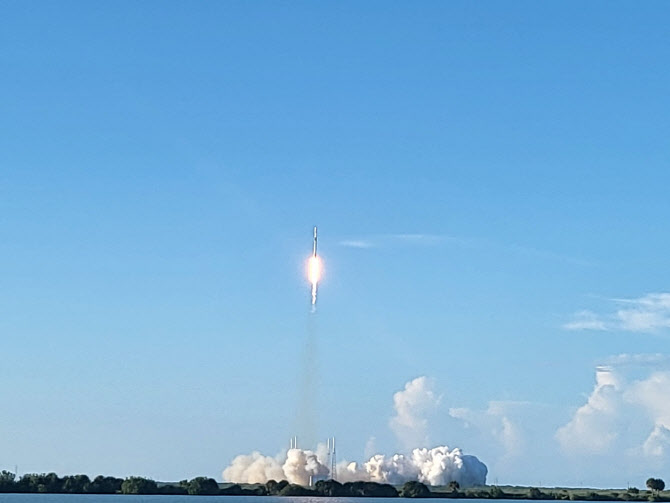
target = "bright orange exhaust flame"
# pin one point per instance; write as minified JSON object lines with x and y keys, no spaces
{"x":314,"y":268}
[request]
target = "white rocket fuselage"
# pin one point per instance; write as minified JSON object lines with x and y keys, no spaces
{"x":314,"y":248}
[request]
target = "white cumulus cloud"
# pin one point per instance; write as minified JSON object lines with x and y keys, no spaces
{"x":623,"y":415}
{"x":649,"y":313}
{"x":412,"y":407}
{"x":496,"y":424}
{"x":593,"y":427}
{"x":658,"y":442}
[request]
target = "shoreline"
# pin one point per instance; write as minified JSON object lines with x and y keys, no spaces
{"x":205,"y":486}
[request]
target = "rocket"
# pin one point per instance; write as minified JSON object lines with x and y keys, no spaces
{"x":314,"y":270}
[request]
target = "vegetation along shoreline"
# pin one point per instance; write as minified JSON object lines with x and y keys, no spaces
{"x":204,"y":486}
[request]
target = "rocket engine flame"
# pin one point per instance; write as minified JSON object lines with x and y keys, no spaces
{"x":314,"y":268}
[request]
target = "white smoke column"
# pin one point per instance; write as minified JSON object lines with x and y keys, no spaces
{"x":412,"y":405}
{"x":253,"y":468}
{"x":396,"y":469}
{"x":437,"y":466}
{"x":296,"y":467}
{"x":350,"y":472}
{"x":301,"y":464}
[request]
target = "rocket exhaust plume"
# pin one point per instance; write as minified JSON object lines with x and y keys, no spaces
{"x":437,"y":466}
{"x":307,"y":410}
{"x":314,"y":268}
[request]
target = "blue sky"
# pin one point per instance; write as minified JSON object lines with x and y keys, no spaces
{"x":501,"y":167}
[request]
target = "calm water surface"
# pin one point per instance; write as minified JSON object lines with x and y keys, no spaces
{"x":123,"y":498}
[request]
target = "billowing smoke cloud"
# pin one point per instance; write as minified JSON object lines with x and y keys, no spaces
{"x":412,"y":405}
{"x":300,"y":465}
{"x":297,"y":466}
{"x":437,"y":466}
{"x":254,"y":468}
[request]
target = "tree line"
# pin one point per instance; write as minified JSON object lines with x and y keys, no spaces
{"x":82,"y":484}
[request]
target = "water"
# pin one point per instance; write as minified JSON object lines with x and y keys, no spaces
{"x":124,"y":498}
{"x":131,"y":498}
{"x":127,"y":498}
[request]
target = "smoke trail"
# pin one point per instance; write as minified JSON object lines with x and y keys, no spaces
{"x":309,"y":380}
{"x":307,"y":408}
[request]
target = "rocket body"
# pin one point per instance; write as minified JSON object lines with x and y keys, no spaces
{"x":314,"y":270}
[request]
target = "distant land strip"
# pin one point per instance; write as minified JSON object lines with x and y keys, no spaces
{"x":82,"y":484}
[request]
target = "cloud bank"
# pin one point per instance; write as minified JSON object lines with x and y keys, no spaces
{"x":623,"y":415}
{"x":649,"y":313}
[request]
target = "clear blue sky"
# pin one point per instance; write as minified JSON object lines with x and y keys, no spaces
{"x":505,"y":165}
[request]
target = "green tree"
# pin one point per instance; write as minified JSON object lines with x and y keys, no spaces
{"x":655,"y":485}
{"x":76,"y":484}
{"x":369,"y":489}
{"x":295,"y":490}
{"x":105,"y":485}
{"x":7,"y":481}
{"x":139,"y":485}
{"x":280,"y":485}
{"x":233,"y":490}
{"x":453,"y":486}
{"x":534,"y":493}
{"x":329,"y":488}
{"x":271,"y":486}
{"x":414,"y":489}
{"x":40,"y":482}
{"x":496,"y":493}
{"x":203,"y":485}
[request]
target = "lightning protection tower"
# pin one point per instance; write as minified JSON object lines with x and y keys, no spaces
{"x":332,"y":458}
